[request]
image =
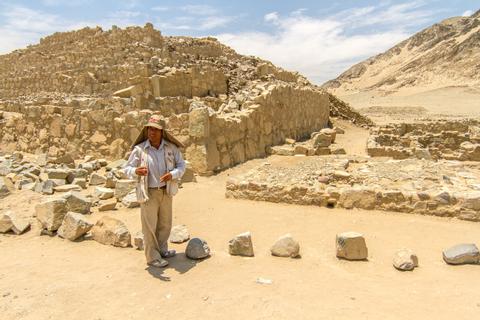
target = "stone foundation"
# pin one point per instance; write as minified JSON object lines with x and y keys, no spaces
{"x":450,"y":140}
{"x":443,"y":188}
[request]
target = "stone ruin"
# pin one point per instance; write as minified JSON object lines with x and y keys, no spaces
{"x":443,"y":188}
{"x":87,"y":92}
{"x":449,"y":140}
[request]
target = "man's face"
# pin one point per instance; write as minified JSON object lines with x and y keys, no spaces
{"x":154,"y":135}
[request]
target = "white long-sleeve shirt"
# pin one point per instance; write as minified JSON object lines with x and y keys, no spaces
{"x":156,"y":164}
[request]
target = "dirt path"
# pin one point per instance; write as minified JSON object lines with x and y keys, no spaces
{"x":51,"y":278}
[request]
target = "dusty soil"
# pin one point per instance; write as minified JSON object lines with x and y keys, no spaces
{"x":51,"y":278}
{"x":411,"y":105}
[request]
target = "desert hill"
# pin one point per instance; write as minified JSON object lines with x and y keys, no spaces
{"x":432,"y":69}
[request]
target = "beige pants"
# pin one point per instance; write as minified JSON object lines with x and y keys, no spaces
{"x":156,"y":215}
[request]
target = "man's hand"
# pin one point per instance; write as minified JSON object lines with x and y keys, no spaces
{"x":166,"y":177}
{"x":141,"y":171}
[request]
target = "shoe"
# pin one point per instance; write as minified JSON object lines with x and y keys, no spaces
{"x":158,"y":263}
{"x":168,"y":254}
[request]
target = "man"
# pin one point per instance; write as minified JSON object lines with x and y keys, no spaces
{"x":157,"y":164}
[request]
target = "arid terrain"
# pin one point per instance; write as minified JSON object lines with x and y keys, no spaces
{"x":268,"y":152}
{"x":50,"y":278}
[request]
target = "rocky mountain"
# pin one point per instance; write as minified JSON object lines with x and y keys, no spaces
{"x":446,"y":54}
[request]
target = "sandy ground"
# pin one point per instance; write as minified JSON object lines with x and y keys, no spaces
{"x":444,"y":103}
{"x":51,"y":278}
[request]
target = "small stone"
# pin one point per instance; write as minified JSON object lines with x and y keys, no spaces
{"x":74,"y":226}
{"x":462,"y":254}
{"x":138,"y":240}
{"x":96,"y":179}
{"x":351,"y":246}
{"x":111,"y":180}
{"x":197,"y":249}
{"x":405,"y":260}
{"x":67,"y":188}
{"x":111,"y":231}
{"x":103,"y":193}
{"x":4,"y":190}
{"x":58,"y":182}
{"x":5,"y":223}
{"x":179,"y":234}
{"x":130,"y":200}
{"x":286,"y":246}
{"x":107,"y":205}
{"x":241,"y":245}
{"x":117,"y":164}
{"x":81,"y":182}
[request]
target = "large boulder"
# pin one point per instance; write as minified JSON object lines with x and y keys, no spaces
{"x":74,"y":226}
{"x":67,"y":188}
{"x":197,"y":249}
{"x":50,"y":213}
{"x":351,"y":246}
{"x":179,"y":234}
{"x":77,"y":202}
{"x":462,"y":254}
{"x":286,"y":246}
{"x":405,"y":260}
{"x":111,"y":231}
{"x":322,"y":140}
{"x":241,"y":245}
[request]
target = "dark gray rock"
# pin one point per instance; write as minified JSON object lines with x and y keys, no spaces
{"x":466,"y":253}
{"x":197,"y":249}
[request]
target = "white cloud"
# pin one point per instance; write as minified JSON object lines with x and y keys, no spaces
{"x":467,"y":13}
{"x":201,"y":10}
{"x":322,"y":48}
{"x":160,"y":9}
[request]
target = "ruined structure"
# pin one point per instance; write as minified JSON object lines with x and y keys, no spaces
{"x":89,"y":91}
{"x":443,"y":188}
{"x":450,"y":140}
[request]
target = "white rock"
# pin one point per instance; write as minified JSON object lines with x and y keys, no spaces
{"x":241,"y":245}
{"x":351,"y":246}
{"x":74,"y":226}
{"x":286,"y":246}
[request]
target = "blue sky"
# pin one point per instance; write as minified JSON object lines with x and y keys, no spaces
{"x":320,"y":39}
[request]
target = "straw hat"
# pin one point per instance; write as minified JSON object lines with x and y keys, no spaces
{"x":158,"y":122}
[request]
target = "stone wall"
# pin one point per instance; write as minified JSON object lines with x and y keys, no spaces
{"x":451,"y":140}
{"x":443,"y":188}
{"x":280,"y":112}
{"x":213,"y":140}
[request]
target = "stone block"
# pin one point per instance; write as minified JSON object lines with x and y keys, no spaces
{"x":51,"y":212}
{"x":351,"y":246}
{"x":241,"y":245}
{"x":74,"y":226}
{"x":462,"y":254}
{"x":111,"y":231}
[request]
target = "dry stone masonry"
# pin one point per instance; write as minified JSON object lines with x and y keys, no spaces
{"x":87,"y":92}
{"x":450,"y":140}
{"x":443,"y":188}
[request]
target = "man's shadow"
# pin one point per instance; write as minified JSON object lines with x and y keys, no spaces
{"x":180,"y":263}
